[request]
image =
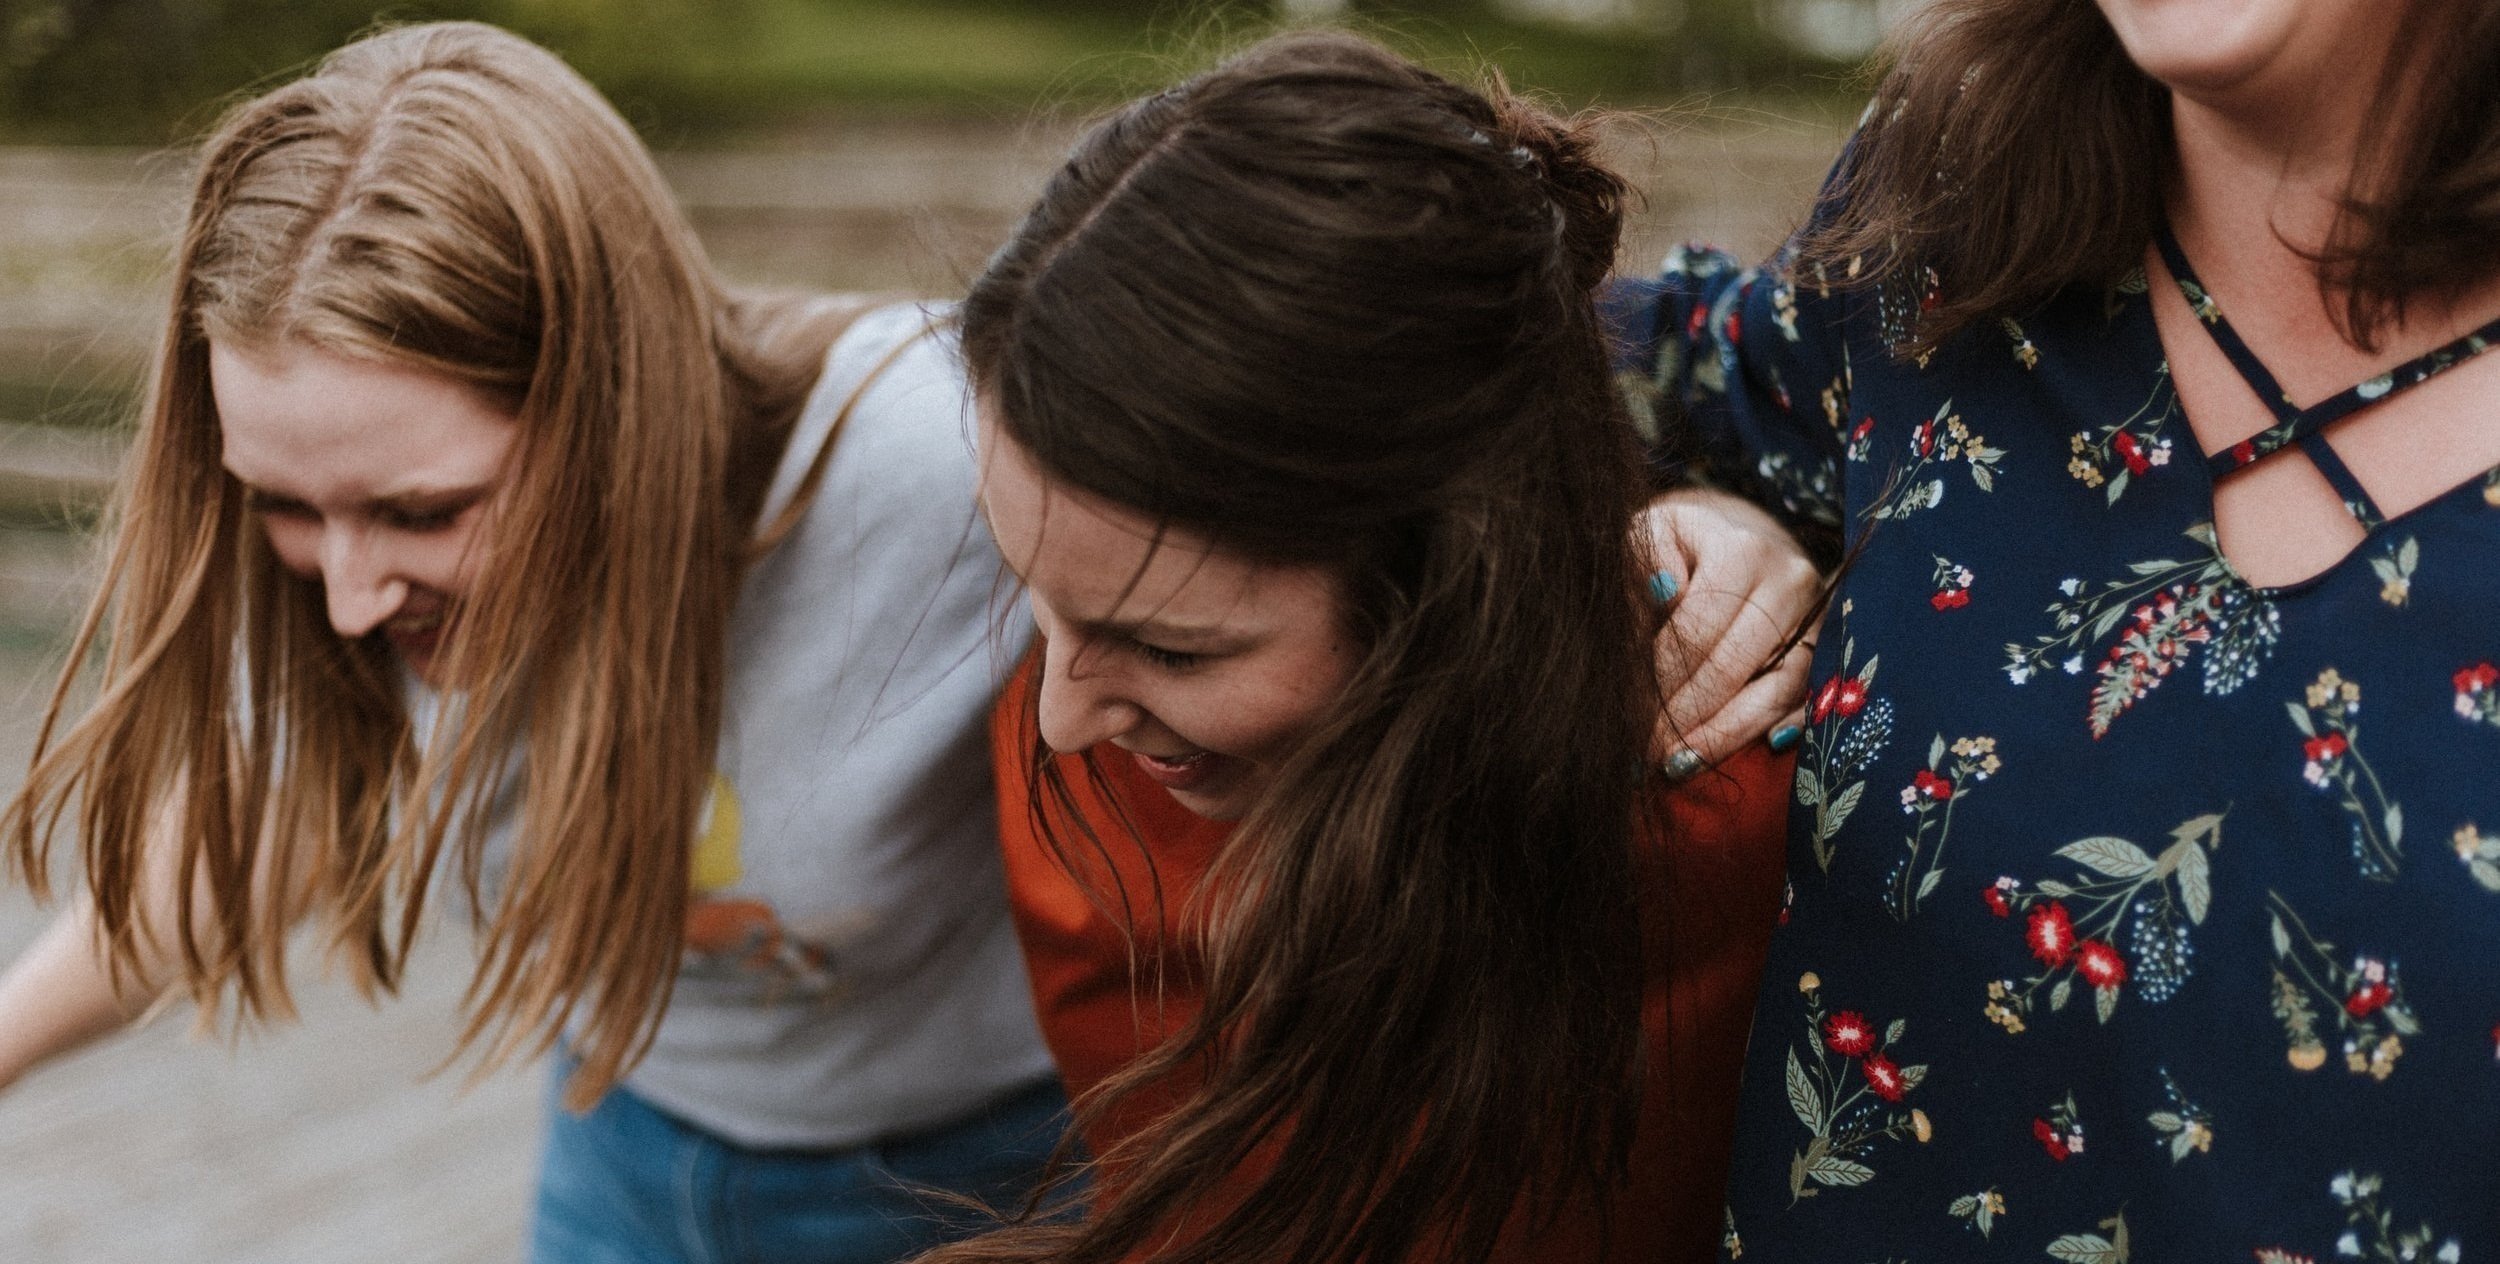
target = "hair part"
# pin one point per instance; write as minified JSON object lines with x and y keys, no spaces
{"x":2012,"y":149}
{"x":1320,"y":306}
{"x":451,"y":198}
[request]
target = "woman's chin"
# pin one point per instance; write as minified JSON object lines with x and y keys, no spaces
{"x":419,"y":652}
{"x":1225,"y":793}
{"x":1212,"y":807}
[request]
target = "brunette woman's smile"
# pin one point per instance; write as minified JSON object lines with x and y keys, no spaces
{"x":1182,"y":772}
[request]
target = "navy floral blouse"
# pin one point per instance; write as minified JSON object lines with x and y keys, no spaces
{"x":2134,"y":912}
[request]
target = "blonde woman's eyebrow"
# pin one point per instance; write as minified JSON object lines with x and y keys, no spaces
{"x":412,"y":499}
{"x":426,"y":498}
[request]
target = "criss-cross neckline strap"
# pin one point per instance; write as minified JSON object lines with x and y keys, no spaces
{"x":2357,"y":501}
{"x":2293,"y":423}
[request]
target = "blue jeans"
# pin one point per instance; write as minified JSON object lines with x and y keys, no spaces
{"x":626,"y":1184}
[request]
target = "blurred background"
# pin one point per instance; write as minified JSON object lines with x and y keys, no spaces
{"x":839,"y":144}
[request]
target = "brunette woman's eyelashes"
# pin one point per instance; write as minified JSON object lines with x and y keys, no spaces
{"x":1174,"y":660}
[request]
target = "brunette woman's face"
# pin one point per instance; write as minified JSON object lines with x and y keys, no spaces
{"x":1205,"y":668}
{"x":371,"y":478}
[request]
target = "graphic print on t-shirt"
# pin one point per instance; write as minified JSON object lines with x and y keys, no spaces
{"x":738,"y":938}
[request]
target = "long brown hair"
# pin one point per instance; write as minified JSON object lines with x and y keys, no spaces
{"x":2012,"y":149}
{"x":1320,"y":306}
{"x":452,"y":198}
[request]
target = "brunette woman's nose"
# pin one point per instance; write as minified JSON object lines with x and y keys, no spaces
{"x":1080,"y":707}
{"x":361,"y":586}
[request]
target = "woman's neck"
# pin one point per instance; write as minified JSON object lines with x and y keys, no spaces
{"x":2258,"y":186}
{"x":2256,"y":191}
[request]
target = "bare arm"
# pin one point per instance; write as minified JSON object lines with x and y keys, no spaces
{"x":57,"y":997}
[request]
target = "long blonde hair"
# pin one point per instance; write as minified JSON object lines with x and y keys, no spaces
{"x":452,"y":198}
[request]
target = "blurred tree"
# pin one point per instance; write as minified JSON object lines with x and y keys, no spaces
{"x":153,"y":71}
{"x":79,"y":68}
{"x":1726,"y":44}
{"x":1448,"y":10}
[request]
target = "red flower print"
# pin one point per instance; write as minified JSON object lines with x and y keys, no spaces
{"x":1997,"y":903}
{"x":1950,"y":599}
{"x":2325,"y":749}
{"x":2243,"y":452}
{"x":1865,"y":427}
{"x":1698,"y":321}
{"x":1930,"y":786}
{"x":2049,"y":1139}
{"x":1923,"y":439}
{"x":2051,"y":934}
{"x":1848,"y":1034}
{"x":1883,"y":1077}
{"x":1732,"y":329}
{"x":2131,"y":452}
{"x":1852,"y":697}
{"x":1825,"y":698}
{"x":2476,"y":679}
{"x":2368,"y":999}
{"x":2101,"y":965}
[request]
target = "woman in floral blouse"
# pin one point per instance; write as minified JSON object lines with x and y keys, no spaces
{"x":2144,"y":894}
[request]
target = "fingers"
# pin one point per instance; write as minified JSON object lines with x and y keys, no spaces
{"x":1711,"y":728}
{"x":1719,"y":643}
{"x":1739,"y":588}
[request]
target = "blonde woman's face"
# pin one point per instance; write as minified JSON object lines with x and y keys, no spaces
{"x":374,"y":479}
{"x":1205,"y":668}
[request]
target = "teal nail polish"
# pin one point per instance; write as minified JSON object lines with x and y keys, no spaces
{"x":1682,"y":764}
{"x":1785,"y":737}
{"x":1663,"y":587}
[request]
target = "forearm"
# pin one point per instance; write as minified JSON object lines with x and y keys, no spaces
{"x":58,"y":996}
{"x":1742,"y":381}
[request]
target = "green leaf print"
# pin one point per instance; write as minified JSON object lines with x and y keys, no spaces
{"x":2092,"y":1248}
{"x":2115,"y":857}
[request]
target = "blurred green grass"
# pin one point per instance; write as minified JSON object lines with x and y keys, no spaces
{"x":716,"y":71}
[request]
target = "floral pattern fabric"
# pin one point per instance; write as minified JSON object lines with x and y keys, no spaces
{"x":2134,"y":912}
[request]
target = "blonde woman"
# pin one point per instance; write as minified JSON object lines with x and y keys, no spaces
{"x":480,"y":546}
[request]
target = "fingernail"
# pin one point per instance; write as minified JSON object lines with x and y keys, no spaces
{"x":1682,"y":764}
{"x":1663,"y":586}
{"x":1785,"y":737}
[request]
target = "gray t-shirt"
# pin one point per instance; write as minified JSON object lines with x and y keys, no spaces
{"x":851,"y":973}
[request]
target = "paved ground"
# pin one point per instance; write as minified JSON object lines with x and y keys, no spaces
{"x":317,"y":1144}
{"x":323,"y":1143}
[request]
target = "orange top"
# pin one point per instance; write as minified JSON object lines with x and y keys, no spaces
{"x":1103,"y":999}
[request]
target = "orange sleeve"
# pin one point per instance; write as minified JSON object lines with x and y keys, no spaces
{"x":1716,"y":876}
{"x":1710,"y":877}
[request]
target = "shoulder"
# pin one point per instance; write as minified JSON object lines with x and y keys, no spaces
{"x":893,"y":401}
{"x":900,"y":348}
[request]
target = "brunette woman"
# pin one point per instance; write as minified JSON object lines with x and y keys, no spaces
{"x":1358,"y":914}
{"x":479,"y":540}
{"x":2139,"y":346}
